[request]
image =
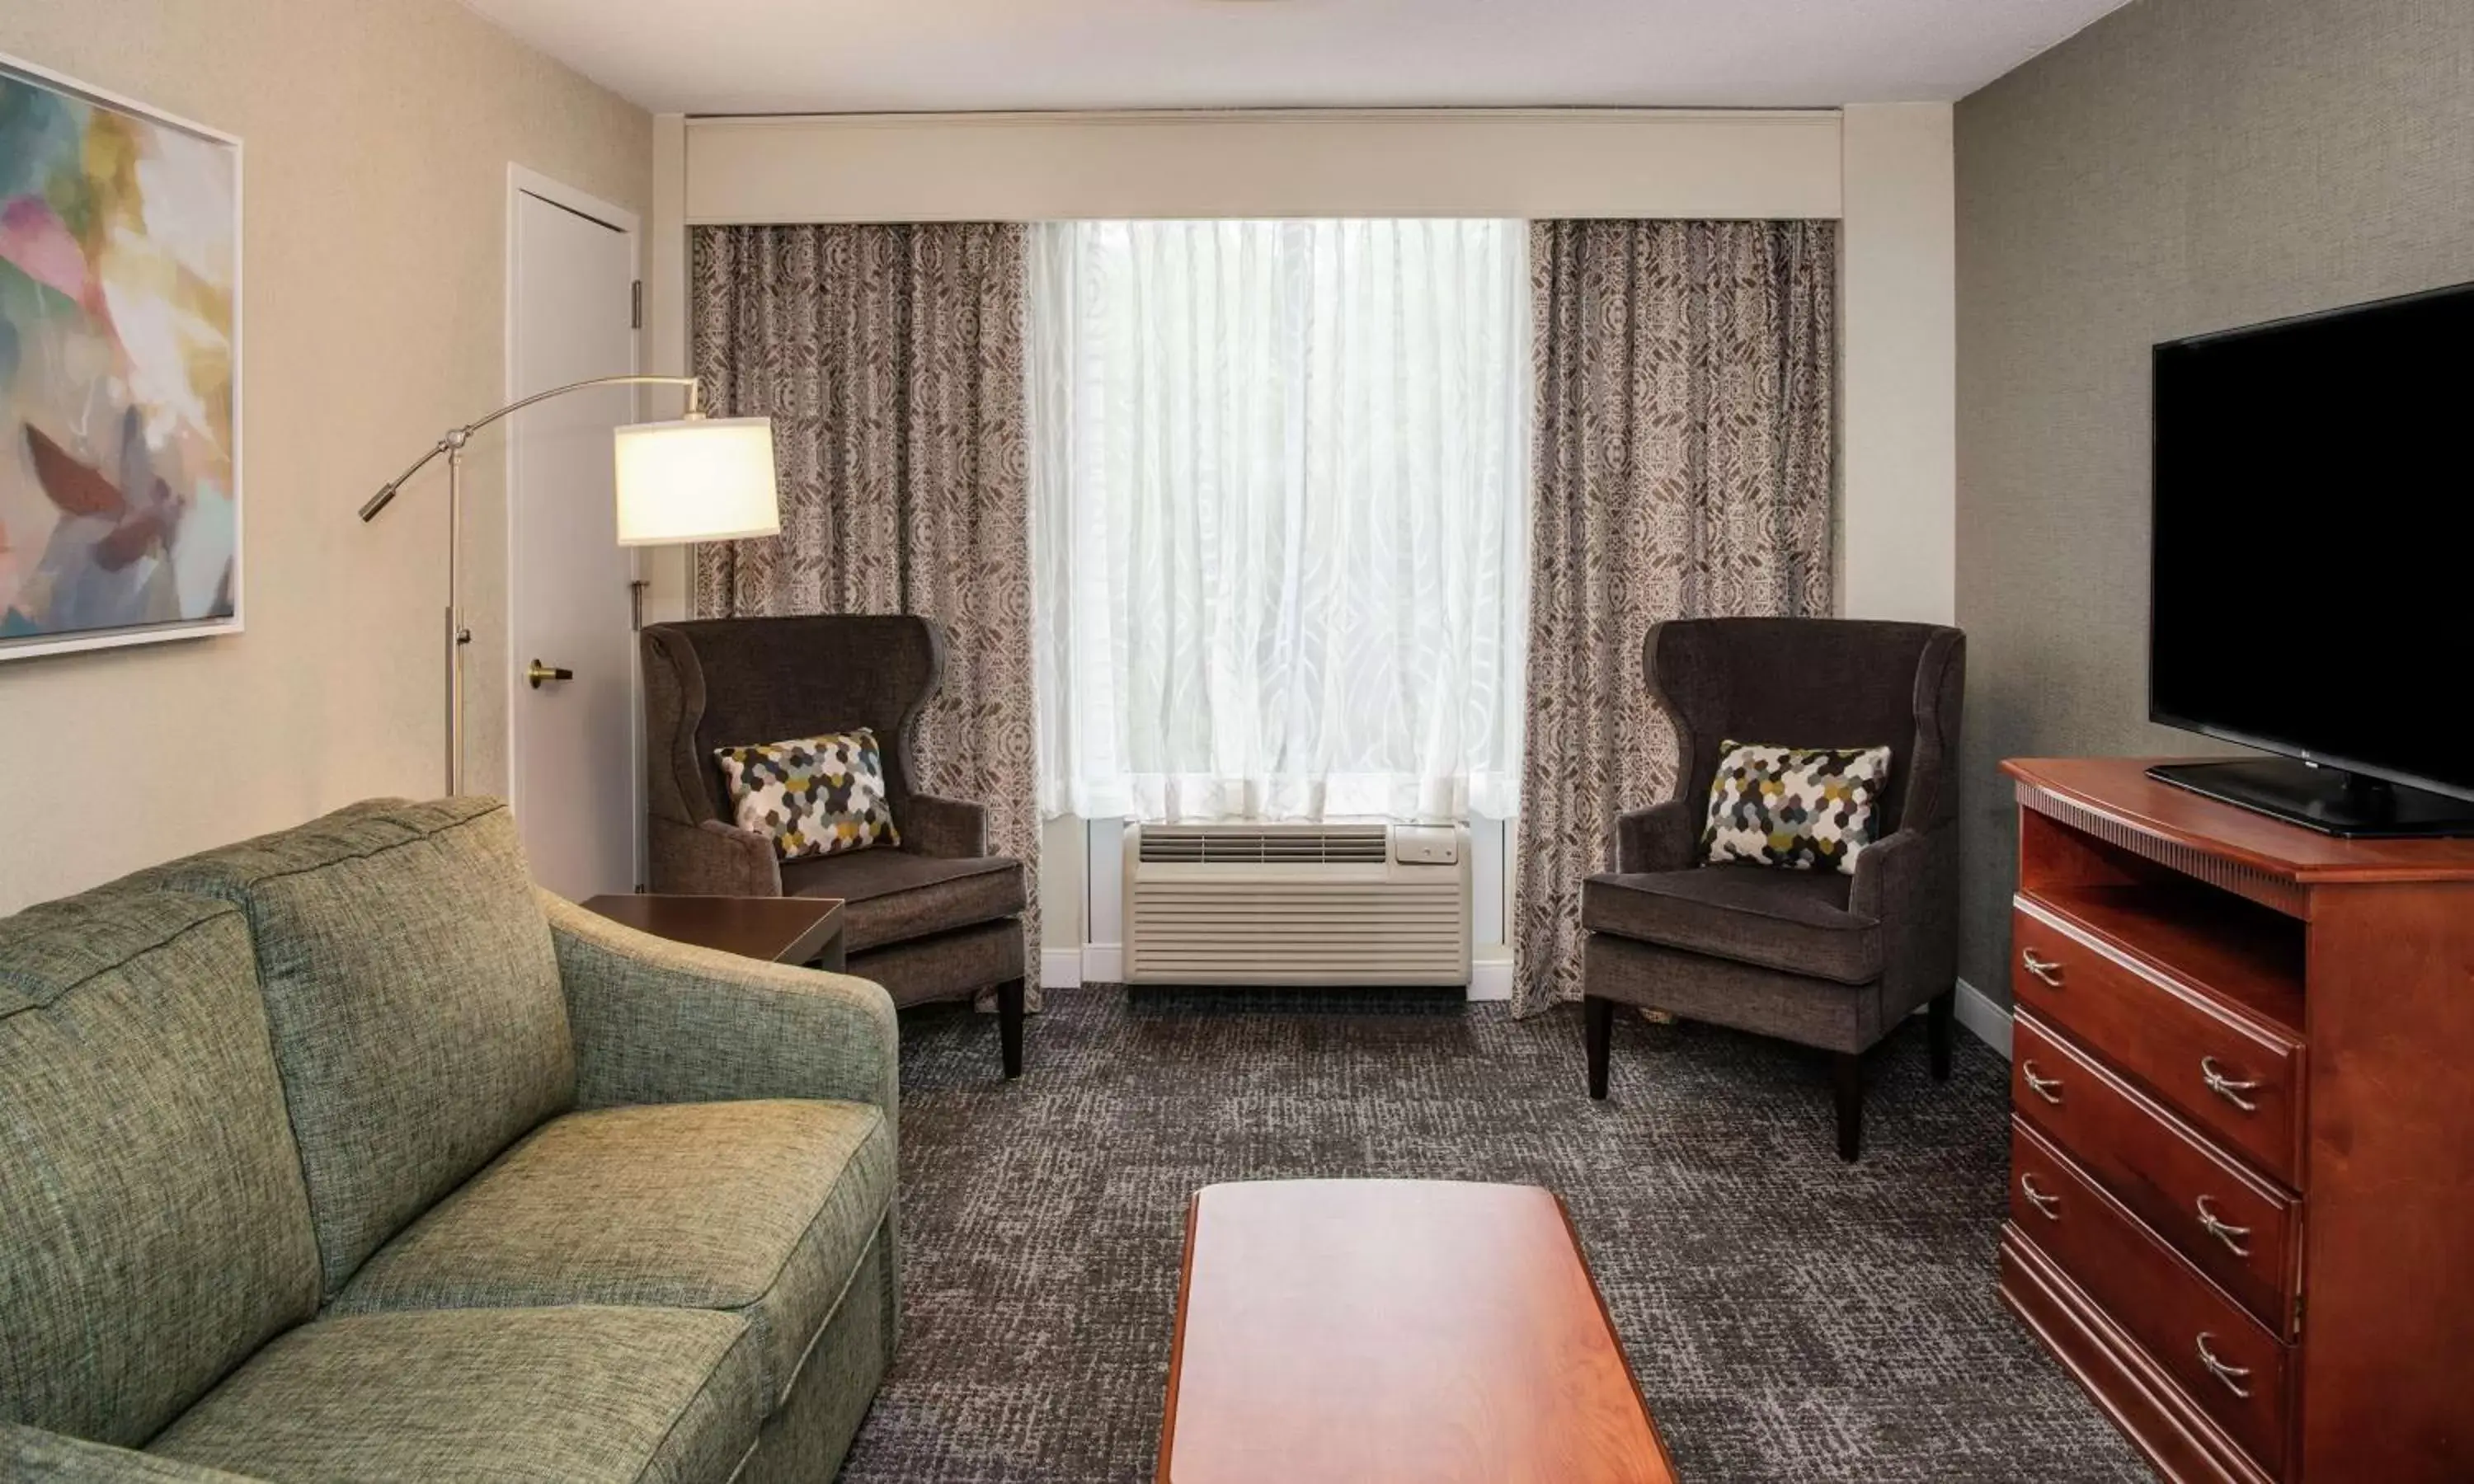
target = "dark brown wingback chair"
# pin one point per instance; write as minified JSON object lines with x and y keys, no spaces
{"x":1817,"y":957}
{"x":936,"y":918}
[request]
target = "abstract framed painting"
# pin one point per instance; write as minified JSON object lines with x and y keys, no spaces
{"x":120,"y":356}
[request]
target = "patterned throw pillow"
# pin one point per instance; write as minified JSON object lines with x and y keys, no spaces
{"x":814,"y":795}
{"x":1805,"y":808}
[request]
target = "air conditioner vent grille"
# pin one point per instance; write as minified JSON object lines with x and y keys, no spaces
{"x":1299,"y":904}
{"x":1335,"y":846}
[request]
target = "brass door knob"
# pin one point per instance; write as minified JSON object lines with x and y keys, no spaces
{"x":537,"y":672}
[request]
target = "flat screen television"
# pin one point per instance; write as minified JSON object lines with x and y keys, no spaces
{"x":2311,"y":593}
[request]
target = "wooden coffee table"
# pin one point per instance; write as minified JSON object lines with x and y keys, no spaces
{"x":795,"y":930}
{"x":1374,"y":1330}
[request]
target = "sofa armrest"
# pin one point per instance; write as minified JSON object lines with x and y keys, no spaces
{"x":32,"y":1453}
{"x":1662,"y":837}
{"x":1909,"y":882}
{"x":657,"y":1021}
{"x":949,"y":827}
{"x":711,"y":859}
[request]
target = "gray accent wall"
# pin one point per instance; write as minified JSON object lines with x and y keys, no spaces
{"x":2181,"y":166}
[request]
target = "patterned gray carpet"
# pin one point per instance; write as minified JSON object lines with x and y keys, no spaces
{"x":1790,"y":1317}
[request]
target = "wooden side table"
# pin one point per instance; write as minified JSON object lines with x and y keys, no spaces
{"x":804,"y":931}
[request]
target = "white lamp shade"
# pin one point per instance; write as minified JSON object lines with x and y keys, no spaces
{"x":706,"y":479}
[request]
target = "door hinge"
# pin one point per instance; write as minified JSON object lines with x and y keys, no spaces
{"x":2298,"y":1317}
{"x":636,"y":306}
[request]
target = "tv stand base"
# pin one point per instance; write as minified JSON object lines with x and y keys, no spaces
{"x":2328,"y":799}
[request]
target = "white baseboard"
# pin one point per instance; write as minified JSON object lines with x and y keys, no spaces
{"x":1103,"y":963}
{"x":1491,"y":979}
{"x":1061,"y":969}
{"x":1986,"y":1020}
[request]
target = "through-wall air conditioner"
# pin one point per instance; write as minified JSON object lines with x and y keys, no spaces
{"x":1301,"y":904}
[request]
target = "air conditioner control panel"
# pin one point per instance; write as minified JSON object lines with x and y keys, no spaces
{"x":1426,"y":845}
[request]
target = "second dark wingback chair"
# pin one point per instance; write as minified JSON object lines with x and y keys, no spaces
{"x":1817,"y":957}
{"x":936,"y":918}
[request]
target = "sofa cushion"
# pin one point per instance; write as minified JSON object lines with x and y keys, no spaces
{"x":895,"y":896}
{"x":757,"y":1207}
{"x":414,"y":999}
{"x":1793,"y":920}
{"x":583,"y":1393}
{"x":152,"y":1227}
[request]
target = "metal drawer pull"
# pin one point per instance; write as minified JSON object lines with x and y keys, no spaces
{"x":2044,"y":968}
{"x":2231,"y":1236}
{"x":2042,"y":1086}
{"x":2232,"y":1376}
{"x":2043,"y":1202}
{"x":2226,"y":1088}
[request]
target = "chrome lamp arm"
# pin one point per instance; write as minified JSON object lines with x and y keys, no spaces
{"x":455,"y":438}
{"x":451,"y":444}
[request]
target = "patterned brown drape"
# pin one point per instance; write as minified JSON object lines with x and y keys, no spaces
{"x":1684,"y":468}
{"x":890,"y":358}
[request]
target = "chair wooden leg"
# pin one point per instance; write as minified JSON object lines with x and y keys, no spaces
{"x":1009,"y":1025}
{"x":1598,"y":1019}
{"x":1939,"y":1017}
{"x":1847,"y":1072}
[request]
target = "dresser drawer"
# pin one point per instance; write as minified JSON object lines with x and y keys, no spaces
{"x":2226,"y":1363}
{"x":2236,"y":1077}
{"x":2238,"y":1228}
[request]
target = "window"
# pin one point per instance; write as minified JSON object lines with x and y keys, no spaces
{"x":1279,"y":496}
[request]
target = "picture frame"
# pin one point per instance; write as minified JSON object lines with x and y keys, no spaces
{"x":122,"y":487}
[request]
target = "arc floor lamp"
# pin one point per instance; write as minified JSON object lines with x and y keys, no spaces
{"x":699,"y":479}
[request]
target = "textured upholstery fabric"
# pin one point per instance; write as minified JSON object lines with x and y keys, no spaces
{"x":487,"y":1395}
{"x":413,"y":997}
{"x":713,"y":859}
{"x":625,"y":1294}
{"x":950,"y":965}
{"x":721,"y":682}
{"x":30,"y":1454}
{"x":1795,"y":920}
{"x":932,"y":826}
{"x":729,"y":682}
{"x":804,"y":1441}
{"x":1835,"y":683}
{"x":760,"y":1208}
{"x":657,"y":1021}
{"x":1662,"y":837}
{"x":1911,"y":879}
{"x":154,"y":1229}
{"x":1722,"y":991}
{"x":895,"y":896}
{"x":1795,"y":971}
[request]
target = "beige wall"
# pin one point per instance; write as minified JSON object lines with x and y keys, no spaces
{"x":2182,"y":166}
{"x":378,"y":136}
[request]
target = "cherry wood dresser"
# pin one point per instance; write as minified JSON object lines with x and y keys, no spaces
{"x":2241,"y":1193}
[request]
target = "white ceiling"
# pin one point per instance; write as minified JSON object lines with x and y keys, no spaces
{"x":868,"y":56}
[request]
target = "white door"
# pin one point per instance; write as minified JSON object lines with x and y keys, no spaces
{"x":572,"y":760}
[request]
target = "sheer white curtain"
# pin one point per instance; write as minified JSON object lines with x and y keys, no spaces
{"x":1279,"y":529}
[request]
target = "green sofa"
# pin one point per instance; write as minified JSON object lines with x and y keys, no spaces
{"x":345,"y":1154}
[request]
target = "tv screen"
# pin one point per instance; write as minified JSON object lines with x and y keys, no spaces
{"x":2314,"y":559}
